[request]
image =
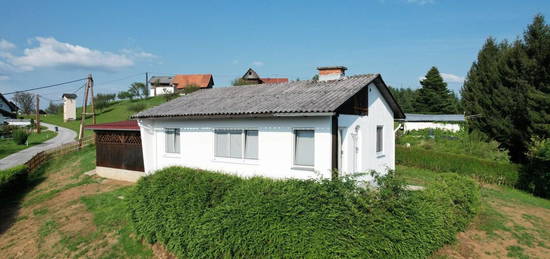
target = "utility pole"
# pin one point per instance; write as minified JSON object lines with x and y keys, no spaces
{"x":147,"y":83}
{"x":37,"y":114}
{"x":88,"y":89}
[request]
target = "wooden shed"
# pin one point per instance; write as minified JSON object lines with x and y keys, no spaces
{"x":118,"y":150}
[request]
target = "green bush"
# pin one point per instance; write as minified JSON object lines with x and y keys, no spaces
{"x":535,"y":176}
{"x":485,"y":170}
{"x":20,"y":136}
{"x":201,"y":214}
{"x":13,"y":179}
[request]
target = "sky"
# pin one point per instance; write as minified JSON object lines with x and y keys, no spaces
{"x":48,"y":42}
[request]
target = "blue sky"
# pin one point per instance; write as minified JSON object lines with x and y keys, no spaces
{"x":45,"y":42}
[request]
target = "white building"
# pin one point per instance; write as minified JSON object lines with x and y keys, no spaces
{"x":69,"y":107}
{"x":301,"y":129}
{"x":451,"y":122}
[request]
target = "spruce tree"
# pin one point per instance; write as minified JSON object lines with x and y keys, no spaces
{"x":434,"y":96}
{"x":537,"y":50}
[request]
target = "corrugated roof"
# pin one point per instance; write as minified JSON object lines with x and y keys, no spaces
{"x":163,"y":80}
{"x":412,"y":117}
{"x":200,"y":80}
{"x":129,"y":125}
{"x":292,"y":97}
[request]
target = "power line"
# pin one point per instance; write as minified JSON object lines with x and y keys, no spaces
{"x":47,"y":86}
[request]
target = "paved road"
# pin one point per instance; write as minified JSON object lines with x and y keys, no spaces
{"x":64,"y":136}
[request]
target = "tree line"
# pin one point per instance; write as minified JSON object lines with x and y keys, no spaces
{"x":433,"y":97}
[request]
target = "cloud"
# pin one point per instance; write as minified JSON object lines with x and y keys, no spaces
{"x":3,"y":77}
{"x":421,"y":2}
{"x":258,"y":63}
{"x":450,"y":78}
{"x":53,"y":53}
{"x":6,"y":45}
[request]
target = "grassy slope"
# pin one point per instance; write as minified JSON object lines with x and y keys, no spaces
{"x":71,"y":215}
{"x":118,"y":111}
{"x":8,"y":146}
{"x":510,"y":222}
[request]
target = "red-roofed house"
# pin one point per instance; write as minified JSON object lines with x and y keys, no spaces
{"x":253,"y":77}
{"x":200,"y":80}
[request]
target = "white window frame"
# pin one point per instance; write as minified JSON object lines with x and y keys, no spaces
{"x":382,"y":149}
{"x":242,"y":159}
{"x":294,"y":165}
{"x":165,"y":135}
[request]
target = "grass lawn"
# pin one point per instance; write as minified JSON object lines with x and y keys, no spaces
{"x":510,"y":223}
{"x":67,"y":214}
{"x":8,"y":146}
{"x":117,"y":111}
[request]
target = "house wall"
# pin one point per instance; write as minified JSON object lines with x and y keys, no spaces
{"x":276,"y":143}
{"x":275,"y":148}
{"x":69,"y":109}
{"x":364,"y":128}
{"x":161,"y":90}
{"x":408,"y":126}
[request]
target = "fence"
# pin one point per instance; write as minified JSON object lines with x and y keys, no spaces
{"x":44,"y":156}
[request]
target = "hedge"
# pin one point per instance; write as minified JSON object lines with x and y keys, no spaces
{"x":201,"y":214}
{"x":13,"y":179}
{"x":485,"y":170}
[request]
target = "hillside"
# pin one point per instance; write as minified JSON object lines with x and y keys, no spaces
{"x":116,"y":111}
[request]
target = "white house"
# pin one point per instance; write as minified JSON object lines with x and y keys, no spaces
{"x":451,"y":122}
{"x":8,"y":110}
{"x":301,"y":129}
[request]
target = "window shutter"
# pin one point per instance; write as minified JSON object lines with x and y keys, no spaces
{"x":304,"y":152}
{"x":236,"y":144}
{"x":222,"y":143}
{"x":251,"y":144}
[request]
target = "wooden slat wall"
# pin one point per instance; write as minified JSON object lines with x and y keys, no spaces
{"x":119,"y":149}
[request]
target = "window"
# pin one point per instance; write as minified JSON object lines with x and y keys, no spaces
{"x":172,"y":140}
{"x":304,"y":147}
{"x":379,"y":139}
{"x":236,"y":144}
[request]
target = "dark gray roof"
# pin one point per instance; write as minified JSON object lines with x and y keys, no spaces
{"x":250,"y":75}
{"x":163,"y":80}
{"x":433,"y":117}
{"x":70,"y":96}
{"x":291,"y":97}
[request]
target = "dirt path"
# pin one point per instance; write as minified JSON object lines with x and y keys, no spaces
{"x":504,"y":228}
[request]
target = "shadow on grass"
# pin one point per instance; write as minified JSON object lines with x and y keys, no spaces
{"x":11,"y":202}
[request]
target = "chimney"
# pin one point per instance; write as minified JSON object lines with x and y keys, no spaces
{"x":331,"y":73}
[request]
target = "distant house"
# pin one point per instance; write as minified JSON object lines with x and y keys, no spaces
{"x":118,"y":150}
{"x":161,"y":85}
{"x":252,"y":77}
{"x":8,"y":110}
{"x":69,"y":107}
{"x":168,"y":84}
{"x":302,"y":129}
{"x":450,"y":122}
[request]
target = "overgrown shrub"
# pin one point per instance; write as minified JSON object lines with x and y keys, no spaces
{"x":20,"y":136}
{"x":535,"y":175}
{"x":201,"y":214}
{"x":13,"y":179}
{"x":485,"y":170}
